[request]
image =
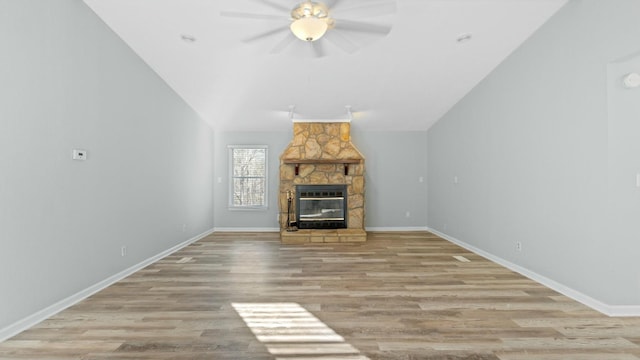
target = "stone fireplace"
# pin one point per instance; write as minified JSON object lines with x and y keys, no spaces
{"x":321,"y":153}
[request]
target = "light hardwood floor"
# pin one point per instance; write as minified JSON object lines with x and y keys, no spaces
{"x":398,"y":296}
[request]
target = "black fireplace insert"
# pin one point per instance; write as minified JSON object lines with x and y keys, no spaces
{"x":321,"y":206}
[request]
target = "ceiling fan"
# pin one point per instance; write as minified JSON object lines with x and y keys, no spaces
{"x":312,"y":23}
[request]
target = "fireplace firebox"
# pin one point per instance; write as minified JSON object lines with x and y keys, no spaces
{"x":321,"y":206}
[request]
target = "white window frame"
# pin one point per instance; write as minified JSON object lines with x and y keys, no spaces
{"x":266,"y":178}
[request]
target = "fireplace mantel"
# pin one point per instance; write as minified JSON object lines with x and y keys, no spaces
{"x":321,"y":161}
{"x":344,"y":162}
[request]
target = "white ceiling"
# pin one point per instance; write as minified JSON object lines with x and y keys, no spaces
{"x":405,"y":80}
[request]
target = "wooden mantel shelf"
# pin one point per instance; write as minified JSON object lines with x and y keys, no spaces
{"x":322,"y":161}
{"x":345,"y":162}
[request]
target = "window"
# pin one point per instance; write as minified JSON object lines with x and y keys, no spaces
{"x":248,"y":185}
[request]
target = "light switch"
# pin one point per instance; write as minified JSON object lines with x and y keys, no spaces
{"x":79,"y":154}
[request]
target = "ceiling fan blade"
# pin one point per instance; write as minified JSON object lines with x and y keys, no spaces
{"x":238,"y":14}
{"x":283,"y":44}
{"x":318,"y":48}
{"x":275,"y":5}
{"x":340,"y":41}
{"x":266,"y":34}
{"x":360,"y":26}
{"x":370,"y":10}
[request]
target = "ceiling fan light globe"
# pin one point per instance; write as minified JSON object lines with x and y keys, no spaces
{"x":309,"y":28}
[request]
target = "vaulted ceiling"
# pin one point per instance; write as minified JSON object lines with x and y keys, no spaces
{"x":238,"y":74}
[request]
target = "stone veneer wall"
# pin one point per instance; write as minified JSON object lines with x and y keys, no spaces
{"x":328,"y":143}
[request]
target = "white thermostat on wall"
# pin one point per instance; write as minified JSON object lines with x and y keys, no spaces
{"x":79,"y":154}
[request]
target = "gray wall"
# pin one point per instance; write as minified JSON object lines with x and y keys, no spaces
{"x":66,"y":81}
{"x":545,"y":151}
{"x":395,"y":162}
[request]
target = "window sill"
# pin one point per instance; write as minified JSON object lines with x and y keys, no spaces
{"x":248,"y":208}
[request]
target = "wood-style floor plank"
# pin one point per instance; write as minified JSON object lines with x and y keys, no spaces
{"x":397,"y":296}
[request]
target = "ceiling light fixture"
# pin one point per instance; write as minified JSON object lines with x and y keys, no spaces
{"x":310,"y":21}
{"x":464,"y":37}
{"x":188,"y":38}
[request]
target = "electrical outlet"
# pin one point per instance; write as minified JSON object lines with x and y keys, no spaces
{"x":518,"y":246}
{"x":407,"y":214}
{"x":79,"y":154}
{"x":123,"y":251}
{"x":184,"y":227}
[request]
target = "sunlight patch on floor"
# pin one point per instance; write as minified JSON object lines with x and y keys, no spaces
{"x":288,"y":329}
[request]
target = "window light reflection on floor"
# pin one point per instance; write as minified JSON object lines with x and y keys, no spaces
{"x":288,"y":329}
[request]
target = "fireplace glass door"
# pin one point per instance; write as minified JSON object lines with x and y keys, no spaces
{"x":321,"y":206}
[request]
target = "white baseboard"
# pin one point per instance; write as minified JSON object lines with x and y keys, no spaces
{"x":256,"y":229}
{"x":34,"y":319}
{"x":385,"y":229}
{"x":245,"y":229}
{"x":609,"y":310}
